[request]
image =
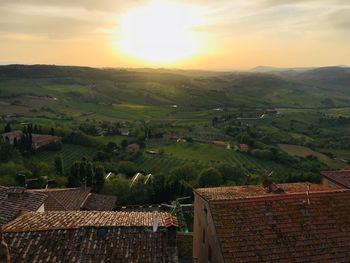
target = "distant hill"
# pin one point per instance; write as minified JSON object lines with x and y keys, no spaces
{"x":327,"y":78}
{"x":319,"y":87}
{"x":263,"y":69}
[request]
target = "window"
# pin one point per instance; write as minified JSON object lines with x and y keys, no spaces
{"x":203,"y":236}
{"x":209,"y":254}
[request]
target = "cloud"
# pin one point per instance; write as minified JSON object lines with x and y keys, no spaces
{"x":340,"y":19}
{"x":53,"y":22}
{"x":100,"y":5}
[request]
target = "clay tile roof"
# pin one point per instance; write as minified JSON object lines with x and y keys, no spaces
{"x":64,"y":199}
{"x":13,"y":201}
{"x":297,"y":225}
{"x":99,"y":202}
{"x":249,"y":191}
{"x":285,"y":229}
{"x":85,"y":236}
{"x":54,"y":220}
{"x":341,"y":177}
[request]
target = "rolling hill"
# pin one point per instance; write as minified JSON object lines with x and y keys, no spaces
{"x":322,"y":87}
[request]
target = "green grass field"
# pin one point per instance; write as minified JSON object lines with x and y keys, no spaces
{"x":202,"y":155}
{"x":70,"y":153}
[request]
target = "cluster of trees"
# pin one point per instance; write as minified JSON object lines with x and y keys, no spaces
{"x":178,"y":183}
{"x":85,"y":172}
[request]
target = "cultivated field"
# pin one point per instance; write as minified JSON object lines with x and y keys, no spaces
{"x":70,"y":153}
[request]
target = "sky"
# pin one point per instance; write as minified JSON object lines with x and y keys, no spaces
{"x":191,"y":34}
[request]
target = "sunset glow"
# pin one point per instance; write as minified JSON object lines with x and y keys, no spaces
{"x":221,"y":34}
{"x":160,"y":32}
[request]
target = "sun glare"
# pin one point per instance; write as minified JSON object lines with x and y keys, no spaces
{"x":160,"y":33}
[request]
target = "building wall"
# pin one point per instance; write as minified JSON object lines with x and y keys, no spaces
{"x":204,"y":235}
{"x":184,"y":243}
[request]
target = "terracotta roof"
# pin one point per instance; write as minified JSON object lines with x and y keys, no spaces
{"x":242,"y":192}
{"x":243,"y":146}
{"x":74,"y":219}
{"x":292,"y":226}
{"x":83,"y":236}
{"x":341,"y":177}
{"x":219,"y":143}
{"x":99,"y":202}
{"x":43,"y":138}
{"x":64,"y":199}
{"x":13,"y":201}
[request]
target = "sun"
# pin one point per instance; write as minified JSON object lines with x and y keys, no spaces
{"x":160,"y":32}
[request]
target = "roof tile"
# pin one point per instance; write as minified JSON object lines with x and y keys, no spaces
{"x":295,"y":226}
{"x":15,"y":200}
{"x":90,"y":236}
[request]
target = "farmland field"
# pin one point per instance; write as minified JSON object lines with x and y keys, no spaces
{"x":303,"y":151}
{"x":70,"y":153}
{"x":202,"y":156}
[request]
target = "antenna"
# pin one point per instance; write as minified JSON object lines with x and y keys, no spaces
{"x":155,"y":225}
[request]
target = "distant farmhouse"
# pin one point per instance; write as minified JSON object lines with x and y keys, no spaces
{"x":38,"y":140}
{"x":244,"y":147}
{"x":219,"y":143}
{"x":271,"y":223}
{"x":124,"y":131}
{"x":12,"y":136}
{"x":42,"y":140}
{"x":92,"y":236}
{"x":133,"y":148}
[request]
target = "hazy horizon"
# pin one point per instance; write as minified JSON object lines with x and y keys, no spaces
{"x":200,"y":35}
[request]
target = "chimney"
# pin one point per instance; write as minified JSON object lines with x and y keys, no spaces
{"x":4,"y":250}
{"x":271,"y":187}
{"x":14,"y":193}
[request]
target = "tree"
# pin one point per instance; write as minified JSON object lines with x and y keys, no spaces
{"x":127,"y":167}
{"x":7,"y":152}
{"x":90,"y":174}
{"x":159,"y":193}
{"x":177,"y":187}
{"x":124,"y":143}
{"x":119,"y":187}
{"x":186,"y":172}
{"x":99,"y":179}
{"x":140,"y":192}
{"x":74,"y":176}
{"x":232,"y":173}
{"x":59,"y":165}
{"x":52,"y":132}
{"x":210,"y":177}
{"x":8,"y":128}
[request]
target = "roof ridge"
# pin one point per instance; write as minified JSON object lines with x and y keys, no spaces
{"x":280,"y":196}
{"x":56,"y":189}
{"x":166,"y":219}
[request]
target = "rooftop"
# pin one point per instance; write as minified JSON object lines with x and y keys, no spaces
{"x":13,"y":201}
{"x":84,"y":236}
{"x":64,"y":199}
{"x":341,"y":177}
{"x":99,"y":202}
{"x":55,"y":220}
{"x":314,"y":227}
{"x":254,"y":191}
